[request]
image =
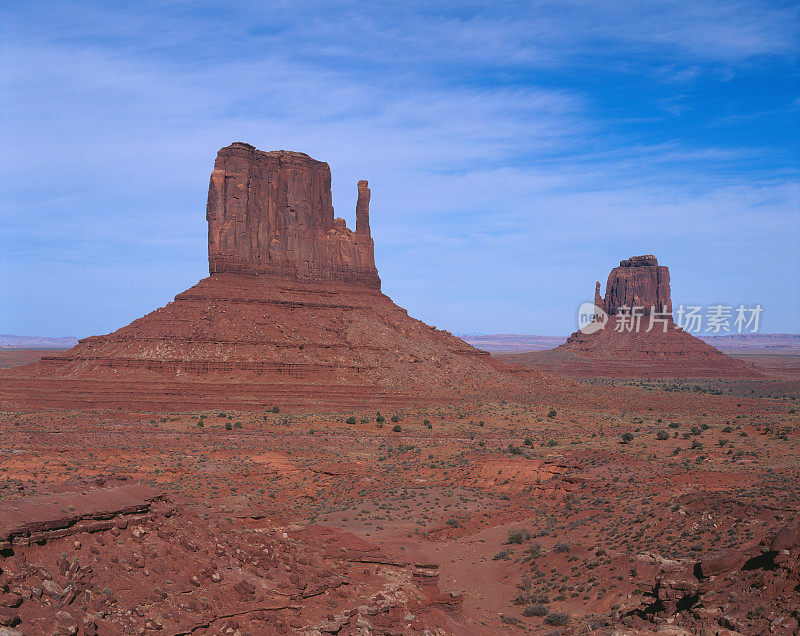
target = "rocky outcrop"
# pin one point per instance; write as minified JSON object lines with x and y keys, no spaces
{"x":694,"y":597}
{"x":271,"y":212}
{"x":184,"y":566}
{"x":57,"y":515}
{"x":638,"y":282}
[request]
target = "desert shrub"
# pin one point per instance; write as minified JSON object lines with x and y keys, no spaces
{"x":696,"y":444}
{"x":528,"y":441}
{"x":534,"y":552}
{"x":379,"y":418}
{"x":674,"y":425}
{"x":228,"y":426}
{"x":552,"y":413}
{"x":351,"y":420}
{"x":396,"y":428}
{"x":518,"y":536}
{"x":453,"y":523}
{"x":510,"y":620}
{"x":521,"y":599}
{"x":552,"y":442}
{"x":276,"y":409}
{"x":627,"y":437}
{"x":503,"y":555}
{"x":662,"y":435}
{"x":561,"y":548}
{"x":394,"y":418}
{"x":537,"y":609}
{"x":558,"y":619}
{"x":514,"y":450}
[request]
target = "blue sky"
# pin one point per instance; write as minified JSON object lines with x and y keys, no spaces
{"x":516,"y":151}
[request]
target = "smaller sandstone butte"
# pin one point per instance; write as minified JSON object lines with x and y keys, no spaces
{"x":272,"y":213}
{"x":638,"y":282}
{"x":663,"y":350}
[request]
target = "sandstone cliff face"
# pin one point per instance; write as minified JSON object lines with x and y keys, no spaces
{"x":271,"y":212}
{"x":638,"y":282}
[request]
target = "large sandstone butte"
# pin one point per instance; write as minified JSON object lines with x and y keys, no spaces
{"x":291,"y":314}
{"x":271,"y":212}
{"x":657,"y":348}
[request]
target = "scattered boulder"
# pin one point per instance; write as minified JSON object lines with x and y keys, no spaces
{"x":786,"y":538}
{"x":723,"y":561}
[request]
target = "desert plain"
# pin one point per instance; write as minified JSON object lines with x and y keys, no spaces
{"x":634,"y":508}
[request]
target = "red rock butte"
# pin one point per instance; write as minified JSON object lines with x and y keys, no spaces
{"x":291,"y":315}
{"x":622,"y":350}
{"x":271,"y":213}
{"x":638,"y":282}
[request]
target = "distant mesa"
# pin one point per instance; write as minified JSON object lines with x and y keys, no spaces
{"x":291,"y":314}
{"x":621,"y":349}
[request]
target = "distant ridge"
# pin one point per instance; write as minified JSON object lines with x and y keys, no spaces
{"x":746,"y":342}
{"x":751,"y":342}
{"x":8,"y":341}
{"x":512,"y":342}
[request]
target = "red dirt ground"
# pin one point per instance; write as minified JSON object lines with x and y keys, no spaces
{"x":469,"y":519}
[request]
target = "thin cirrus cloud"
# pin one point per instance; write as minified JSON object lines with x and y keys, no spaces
{"x":516,"y":150}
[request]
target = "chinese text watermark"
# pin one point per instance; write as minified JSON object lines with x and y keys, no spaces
{"x":714,"y":319}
